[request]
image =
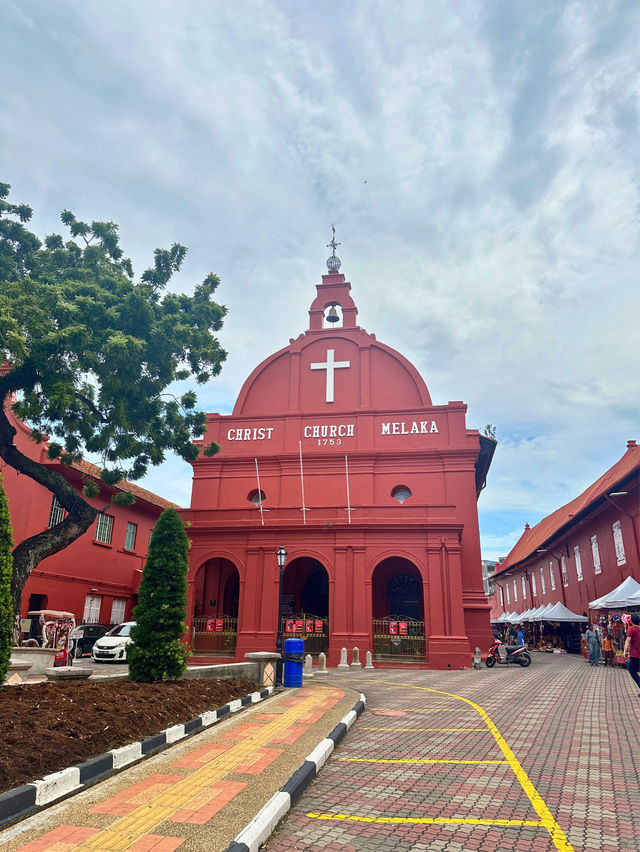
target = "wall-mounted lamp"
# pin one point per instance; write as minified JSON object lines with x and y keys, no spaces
{"x":617,"y":493}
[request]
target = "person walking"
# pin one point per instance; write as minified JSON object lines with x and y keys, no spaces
{"x":593,"y":645}
{"x":520,"y":635}
{"x":607,"y":649}
{"x":632,"y":649}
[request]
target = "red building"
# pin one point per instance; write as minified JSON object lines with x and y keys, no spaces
{"x":98,"y":575}
{"x":579,"y":552}
{"x":335,"y":450}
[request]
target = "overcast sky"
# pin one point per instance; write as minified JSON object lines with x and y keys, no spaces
{"x":479,"y":160}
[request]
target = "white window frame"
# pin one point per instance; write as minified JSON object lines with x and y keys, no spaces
{"x":578,"y":558}
{"x":552,"y":577}
{"x":506,"y":585}
{"x":104,"y":528}
{"x":563,"y":569}
{"x":618,"y":543}
{"x":543,"y":583}
{"x":524,"y":588}
{"x":91,"y":614}
{"x":515,"y":591}
{"x":501,"y":597}
{"x":534,"y":588}
{"x":118,"y":606}
{"x":56,"y":512}
{"x":129,"y":543}
{"x":595,"y":553}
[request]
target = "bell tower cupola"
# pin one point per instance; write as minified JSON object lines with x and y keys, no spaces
{"x":333,"y":297}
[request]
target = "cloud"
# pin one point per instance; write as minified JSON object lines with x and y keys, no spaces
{"x":494,"y":242}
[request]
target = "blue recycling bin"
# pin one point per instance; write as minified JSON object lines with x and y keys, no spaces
{"x":293,"y":660}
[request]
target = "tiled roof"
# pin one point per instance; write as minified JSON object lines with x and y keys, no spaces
{"x":534,"y":537}
{"x":140,"y":493}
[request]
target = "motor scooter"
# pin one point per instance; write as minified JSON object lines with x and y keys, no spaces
{"x":514,"y":654}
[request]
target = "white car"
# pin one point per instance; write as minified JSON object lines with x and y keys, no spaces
{"x":113,"y":645}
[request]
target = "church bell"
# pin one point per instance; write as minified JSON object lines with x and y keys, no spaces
{"x":332,"y":316}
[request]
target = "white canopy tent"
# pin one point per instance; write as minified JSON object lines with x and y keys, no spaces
{"x":622,"y":596}
{"x":541,"y":615}
{"x":634,"y":599}
{"x":534,"y":612}
{"x":559,"y":612}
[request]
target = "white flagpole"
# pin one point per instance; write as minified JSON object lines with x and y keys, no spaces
{"x":259,"y":492}
{"x":304,"y":508}
{"x":346,"y":467}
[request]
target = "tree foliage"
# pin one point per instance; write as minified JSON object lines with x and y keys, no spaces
{"x":157,"y":651}
{"x":6,"y":606}
{"x":89,"y":355}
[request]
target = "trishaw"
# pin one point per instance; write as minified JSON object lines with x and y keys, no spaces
{"x":57,"y":628}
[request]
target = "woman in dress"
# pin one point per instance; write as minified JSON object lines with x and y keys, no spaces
{"x":593,"y":645}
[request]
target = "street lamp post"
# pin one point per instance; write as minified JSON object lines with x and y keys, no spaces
{"x":281,"y":555}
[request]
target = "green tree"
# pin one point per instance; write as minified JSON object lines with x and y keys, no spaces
{"x":6,"y":607}
{"x":157,"y":651}
{"x":86,"y":357}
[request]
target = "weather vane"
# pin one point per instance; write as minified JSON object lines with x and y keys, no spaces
{"x":333,"y":263}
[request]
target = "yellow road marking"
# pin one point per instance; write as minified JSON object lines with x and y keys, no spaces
{"x":547,"y":820}
{"x":428,"y":820}
{"x":422,"y":710}
{"x":126,"y":831}
{"x":425,"y":729}
{"x":425,"y":760}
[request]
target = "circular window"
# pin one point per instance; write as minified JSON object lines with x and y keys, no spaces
{"x":401,"y":493}
{"x":256,"y":497}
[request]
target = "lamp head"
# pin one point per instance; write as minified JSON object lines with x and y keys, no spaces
{"x":281,"y":555}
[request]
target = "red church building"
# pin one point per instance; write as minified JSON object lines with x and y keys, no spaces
{"x":336,"y":451}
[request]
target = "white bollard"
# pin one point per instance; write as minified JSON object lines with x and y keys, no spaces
{"x":322,"y":665}
{"x":343,"y":665}
{"x":356,"y":664}
{"x":369,"y":660}
{"x":307,"y":671}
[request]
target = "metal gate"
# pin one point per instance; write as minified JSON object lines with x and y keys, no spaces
{"x":215,"y":636}
{"x":313,"y":629}
{"x":399,"y":639}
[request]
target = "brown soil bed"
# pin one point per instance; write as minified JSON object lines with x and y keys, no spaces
{"x":45,"y":727}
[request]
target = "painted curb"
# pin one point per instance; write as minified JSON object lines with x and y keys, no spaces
{"x":22,"y":802}
{"x":261,"y":827}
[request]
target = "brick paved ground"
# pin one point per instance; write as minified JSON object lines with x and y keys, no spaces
{"x":197,"y":795}
{"x":574,"y":731}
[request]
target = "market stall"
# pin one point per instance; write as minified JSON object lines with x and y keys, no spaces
{"x":612,"y":618}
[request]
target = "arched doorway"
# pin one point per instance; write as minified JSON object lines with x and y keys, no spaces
{"x":215,"y":617}
{"x":398,"y":612}
{"x":305,"y":603}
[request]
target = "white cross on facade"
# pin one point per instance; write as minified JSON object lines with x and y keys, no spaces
{"x":330,"y":366}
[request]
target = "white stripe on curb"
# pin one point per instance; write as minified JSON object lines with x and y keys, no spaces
{"x":58,"y":784}
{"x":264,"y":822}
{"x":321,"y":753}
{"x":174,"y":733}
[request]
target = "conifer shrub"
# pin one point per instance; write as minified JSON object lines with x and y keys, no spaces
{"x":6,"y":569}
{"x":156,"y":650}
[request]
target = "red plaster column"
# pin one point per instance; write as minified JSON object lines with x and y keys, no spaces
{"x":447,"y":643}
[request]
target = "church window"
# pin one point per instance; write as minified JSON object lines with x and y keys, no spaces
{"x":595,"y":553}
{"x":256,"y":497}
{"x":524,"y":588}
{"x":401,"y":493}
{"x":576,"y":553}
{"x":563,"y":569}
{"x":619,"y":544}
{"x":104,"y":528}
{"x":56,"y":513}
{"x":542,"y":580}
{"x":552,"y":575}
{"x":515,"y":591}
{"x":533,"y":585}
